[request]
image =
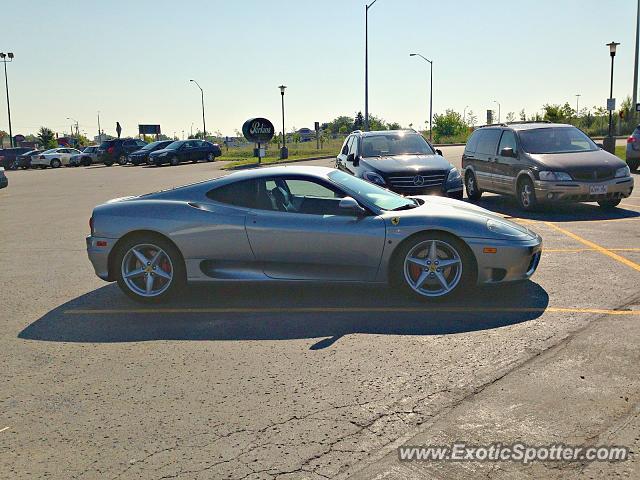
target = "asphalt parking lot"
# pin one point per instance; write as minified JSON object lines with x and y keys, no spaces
{"x":292,"y":382}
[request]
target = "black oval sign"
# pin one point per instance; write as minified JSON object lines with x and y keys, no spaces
{"x":258,"y":130}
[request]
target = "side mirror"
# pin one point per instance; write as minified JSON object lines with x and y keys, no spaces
{"x":507,"y":152}
{"x":600,"y":145}
{"x":348,"y":206}
{"x":350,"y":157}
{"x":439,"y":152}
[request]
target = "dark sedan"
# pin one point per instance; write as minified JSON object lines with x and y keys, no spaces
{"x":401,"y":161}
{"x":141,"y":156}
{"x":24,"y":160}
{"x":185,"y":151}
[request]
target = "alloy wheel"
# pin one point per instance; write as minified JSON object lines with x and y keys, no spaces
{"x":433,"y":268}
{"x":147,"y":270}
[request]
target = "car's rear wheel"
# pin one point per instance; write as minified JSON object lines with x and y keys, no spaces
{"x":526,"y":195}
{"x":471,"y":184}
{"x":149,"y":269}
{"x":86,"y":162}
{"x":606,"y":204}
{"x":433,"y":265}
{"x":633,"y":164}
{"x":173,"y":161}
{"x":122,"y":160}
{"x":55,"y":163}
{"x":108,"y":163}
{"x":210,"y":157}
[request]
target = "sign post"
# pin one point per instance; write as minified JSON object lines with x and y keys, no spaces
{"x":258,"y":130}
{"x":317,"y":128}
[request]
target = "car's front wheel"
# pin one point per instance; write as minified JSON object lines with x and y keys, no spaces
{"x":149,"y":269}
{"x":173,"y":161}
{"x":55,"y":163}
{"x":86,"y":162}
{"x":526,"y":195}
{"x":606,"y":204}
{"x":433,"y":265}
{"x":633,"y":164}
{"x":471,"y":184}
{"x":122,"y":160}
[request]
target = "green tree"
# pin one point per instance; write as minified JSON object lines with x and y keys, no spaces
{"x":448,"y":124}
{"x":523,"y":115}
{"x":47,"y":138}
{"x":358,"y":121}
{"x":511,"y":117}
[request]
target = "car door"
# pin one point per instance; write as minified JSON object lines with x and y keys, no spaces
{"x":485,"y":157}
{"x":201,"y":150}
{"x":505,"y":168}
{"x":341,"y":160}
{"x":301,"y":234}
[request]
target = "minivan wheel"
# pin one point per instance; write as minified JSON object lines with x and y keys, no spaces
{"x":606,"y":204}
{"x":149,"y":269}
{"x":633,"y":164}
{"x":433,"y":265}
{"x":471,"y":184}
{"x":526,"y":195}
{"x":55,"y":163}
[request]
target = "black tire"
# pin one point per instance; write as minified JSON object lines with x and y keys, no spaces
{"x":178,"y":280}
{"x":609,"y":204}
{"x":467,"y":266}
{"x":86,"y":162}
{"x":210,"y":157}
{"x":122,"y":160}
{"x":471,"y":186}
{"x":55,"y":163}
{"x":633,"y":164}
{"x":526,"y":195}
{"x":108,"y":163}
{"x":173,"y":161}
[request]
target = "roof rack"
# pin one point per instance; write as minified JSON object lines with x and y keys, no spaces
{"x":492,"y":125}
{"x":524,"y":122}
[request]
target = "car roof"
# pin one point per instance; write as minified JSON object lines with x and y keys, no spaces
{"x":312,"y":171}
{"x":385,"y":132}
{"x":526,"y":125}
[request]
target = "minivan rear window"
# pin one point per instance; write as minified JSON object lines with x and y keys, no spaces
{"x":488,"y":141}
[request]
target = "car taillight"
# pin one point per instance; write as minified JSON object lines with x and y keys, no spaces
{"x":110,"y":150}
{"x":91,"y":225}
{"x":631,"y":140}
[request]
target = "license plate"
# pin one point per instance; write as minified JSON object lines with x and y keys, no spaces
{"x":597,"y":189}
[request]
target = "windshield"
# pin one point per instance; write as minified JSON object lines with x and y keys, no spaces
{"x":556,"y":140}
{"x":174,"y":146}
{"x":378,"y":196}
{"x":89,"y":149}
{"x":151,"y":146}
{"x":52,"y":150}
{"x":381,"y":145}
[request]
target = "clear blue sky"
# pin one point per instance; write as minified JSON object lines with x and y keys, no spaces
{"x":132,"y":60}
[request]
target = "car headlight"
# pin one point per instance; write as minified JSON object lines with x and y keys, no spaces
{"x":503,"y":228}
{"x":547,"y":176}
{"x":374,"y":178}
{"x":163,"y":154}
{"x":454,"y":176}
{"x":623,"y":172}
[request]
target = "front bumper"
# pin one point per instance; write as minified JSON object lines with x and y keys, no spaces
{"x":616,"y":188}
{"x":98,"y":250}
{"x":505,"y":260}
{"x":4,"y":182}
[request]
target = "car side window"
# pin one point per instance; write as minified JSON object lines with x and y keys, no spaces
{"x":301,"y":195}
{"x":508,"y":140}
{"x":488,"y":141}
{"x":347,"y":144}
{"x":241,"y":194}
{"x":472,"y":143}
{"x":353,"y":148}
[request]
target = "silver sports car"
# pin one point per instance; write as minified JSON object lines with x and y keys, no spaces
{"x":303,"y":224}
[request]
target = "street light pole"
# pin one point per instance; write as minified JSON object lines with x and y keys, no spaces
{"x":77,"y":128}
{"x":578,"y":103}
{"x":204,"y":123}
{"x":495,"y":101}
{"x":635,"y":66}
{"x":464,"y":114}
{"x":609,"y":142}
{"x":99,"y":132}
{"x":366,"y":65}
{"x":430,"y":93}
{"x":284,"y":151}
{"x":4,"y":57}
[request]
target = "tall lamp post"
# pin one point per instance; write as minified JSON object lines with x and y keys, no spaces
{"x":366,"y":64}
{"x":76,"y":123}
{"x":464,"y":114}
{"x":204,"y":123}
{"x":284,"y":151}
{"x":609,"y":142}
{"x":3,"y":57}
{"x":495,"y":101}
{"x":578,"y":95}
{"x":430,"y":93}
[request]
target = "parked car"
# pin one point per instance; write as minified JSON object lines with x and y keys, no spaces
{"x":8,"y":156}
{"x":117,"y":150}
{"x":142,"y":156}
{"x":54,"y":158}
{"x":543,"y":162}
{"x":88,"y":156}
{"x":633,"y":150}
{"x":303,"y":224}
{"x":400,"y":160}
{"x":24,"y":160}
{"x":185,"y":151}
{"x":4,"y":181}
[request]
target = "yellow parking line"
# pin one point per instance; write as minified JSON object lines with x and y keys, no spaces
{"x":595,"y":246}
{"x":425,"y":309}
